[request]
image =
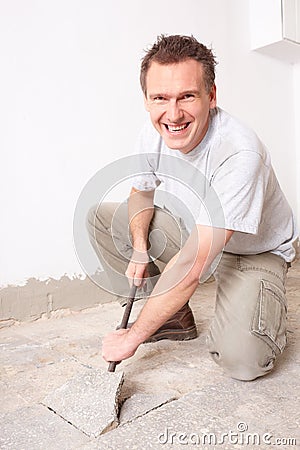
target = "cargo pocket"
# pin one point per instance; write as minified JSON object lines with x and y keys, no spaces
{"x":269,"y":322}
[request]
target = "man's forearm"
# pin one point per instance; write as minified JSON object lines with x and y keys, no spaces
{"x":140,"y":211}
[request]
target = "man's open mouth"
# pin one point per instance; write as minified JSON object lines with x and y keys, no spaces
{"x":176,"y":128}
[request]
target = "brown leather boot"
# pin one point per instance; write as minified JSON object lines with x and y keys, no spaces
{"x":180,"y":327}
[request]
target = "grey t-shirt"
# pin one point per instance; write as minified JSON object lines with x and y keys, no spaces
{"x":226,"y":181}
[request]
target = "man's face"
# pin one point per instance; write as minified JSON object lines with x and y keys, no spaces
{"x":178,"y":103}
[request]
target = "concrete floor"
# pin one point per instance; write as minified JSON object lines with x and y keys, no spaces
{"x":205,"y":409}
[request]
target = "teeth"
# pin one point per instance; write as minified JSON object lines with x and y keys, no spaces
{"x":176,"y":128}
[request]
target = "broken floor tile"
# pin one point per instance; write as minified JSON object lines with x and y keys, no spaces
{"x":190,"y":423}
{"x":89,"y":401}
{"x":172,"y":426}
{"x":139,"y":404}
{"x":37,"y":428}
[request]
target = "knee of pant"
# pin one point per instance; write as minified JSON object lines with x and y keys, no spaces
{"x":243,"y":359}
{"x":96,"y":215}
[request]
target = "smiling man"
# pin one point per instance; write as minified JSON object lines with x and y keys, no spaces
{"x":224,"y":211}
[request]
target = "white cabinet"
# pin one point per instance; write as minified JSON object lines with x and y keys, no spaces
{"x":291,"y":20}
{"x":275,"y":28}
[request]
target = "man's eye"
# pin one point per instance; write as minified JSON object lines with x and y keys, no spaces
{"x":188,"y":97}
{"x":159,"y":99}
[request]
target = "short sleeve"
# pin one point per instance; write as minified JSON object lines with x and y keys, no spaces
{"x":147,"y":152}
{"x":237,"y":193}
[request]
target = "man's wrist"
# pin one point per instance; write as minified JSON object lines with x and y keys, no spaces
{"x":135,"y":337}
{"x":140,"y":244}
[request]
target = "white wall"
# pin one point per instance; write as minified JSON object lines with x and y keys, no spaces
{"x":71,"y":103}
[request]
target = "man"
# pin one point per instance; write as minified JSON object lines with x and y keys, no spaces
{"x":239,"y":208}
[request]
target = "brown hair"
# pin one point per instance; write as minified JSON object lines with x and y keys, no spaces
{"x":177,"y":48}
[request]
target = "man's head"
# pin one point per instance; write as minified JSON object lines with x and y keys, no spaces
{"x":177,"y":78}
{"x":175,"y":49}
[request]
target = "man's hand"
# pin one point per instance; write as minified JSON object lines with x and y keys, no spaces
{"x":119,"y":345}
{"x":137,"y":269}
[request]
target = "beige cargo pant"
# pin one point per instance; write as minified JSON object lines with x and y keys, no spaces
{"x":248,"y":330}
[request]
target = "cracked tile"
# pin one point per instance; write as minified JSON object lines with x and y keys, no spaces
{"x":88,"y":401}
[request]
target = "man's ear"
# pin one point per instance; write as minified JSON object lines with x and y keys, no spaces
{"x":213,"y":97}
{"x":146,"y":102}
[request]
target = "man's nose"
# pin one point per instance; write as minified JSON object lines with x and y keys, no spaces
{"x":174,"y":112}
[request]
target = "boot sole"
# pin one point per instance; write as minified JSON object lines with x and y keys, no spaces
{"x":176,"y":335}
